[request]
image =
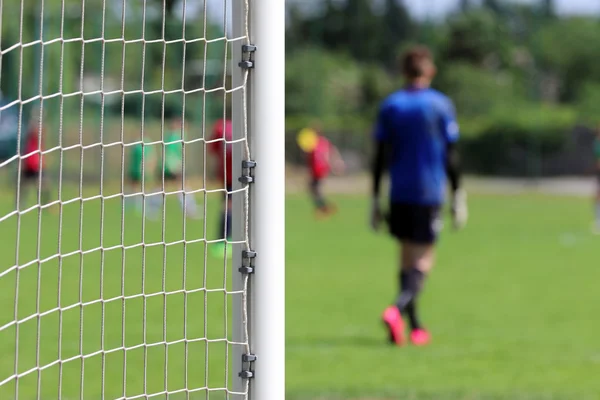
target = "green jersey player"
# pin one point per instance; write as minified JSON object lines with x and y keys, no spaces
{"x":142,"y":161}
{"x":170,"y":170}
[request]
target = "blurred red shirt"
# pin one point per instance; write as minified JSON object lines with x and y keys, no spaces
{"x":32,"y":157}
{"x":222,"y":130}
{"x":318,"y":159}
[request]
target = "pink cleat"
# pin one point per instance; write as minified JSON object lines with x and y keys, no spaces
{"x":420,"y":337}
{"x":395,"y":325}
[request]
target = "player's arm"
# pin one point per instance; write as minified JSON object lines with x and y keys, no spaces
{"x":459,"y":198}
{"x":378,"y":166}
{"x":453,"y":167}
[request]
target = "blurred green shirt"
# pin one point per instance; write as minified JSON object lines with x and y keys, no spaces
{"x":173,"y":153}
{"x":141,"y":155}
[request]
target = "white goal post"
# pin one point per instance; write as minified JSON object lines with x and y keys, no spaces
{"x":265,"y":101}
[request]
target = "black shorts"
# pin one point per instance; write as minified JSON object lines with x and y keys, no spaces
{"x":30,"y":174}
{"x":415,"y":223}
{"x":171,"y":176}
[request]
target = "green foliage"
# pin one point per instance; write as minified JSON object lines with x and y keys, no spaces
{"x":490,"y":140}
{"x":570,"y":47}
{"x":478,"y":37}
{"x":476,"y":91}
{"x":336,"y":92}
{"x":520,"y":75}
{"x":587,"y":103}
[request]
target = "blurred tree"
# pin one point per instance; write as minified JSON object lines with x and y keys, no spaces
{"x":587,"y":103}
{"x":476,"y":91}
{"x":464,"y":6}
{"x":397,"y":27}
{"x":493,"y":5}
{"x":548,"y":9}
{"x":570,"y":48}
{"x":337,"y":91}
{"x":478,"y":37}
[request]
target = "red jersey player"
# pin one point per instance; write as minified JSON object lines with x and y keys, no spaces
{"x":32,"y":164}
{"x":220,"y":148}
{"x":322,"y":160}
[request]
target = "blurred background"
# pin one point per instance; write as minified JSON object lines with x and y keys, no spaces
{"x":523,"y":75}
{"x":191,"y":45}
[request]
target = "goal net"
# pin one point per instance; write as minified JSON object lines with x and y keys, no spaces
{"x":123,"y":132}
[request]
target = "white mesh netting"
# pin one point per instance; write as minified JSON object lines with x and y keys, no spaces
{"x":115,"y":140}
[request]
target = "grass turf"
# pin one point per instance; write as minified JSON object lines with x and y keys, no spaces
{"x":512,"y":305}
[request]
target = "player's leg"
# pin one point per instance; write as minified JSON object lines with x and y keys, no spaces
{"x":134,"y":198}
{"x":416,"y":228}
{"x":22,"y":187}
{"x":316,"y":192}
{"x":44,"y":188}
{"x":417,"y":261}
{"x":224,"y":231}
{"x":187,"y":201}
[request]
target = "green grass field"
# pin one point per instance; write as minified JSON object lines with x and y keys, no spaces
{"x":512,"y":305}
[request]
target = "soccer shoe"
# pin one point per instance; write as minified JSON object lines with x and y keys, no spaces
{"x":321,"y":214}
{"x":331,"y":209}
{"x":395,"y":325}
{"x":325,"y":212}
{"x":420,"y":337}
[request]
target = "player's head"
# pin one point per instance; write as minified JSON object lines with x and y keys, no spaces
{"x":418,"y":66}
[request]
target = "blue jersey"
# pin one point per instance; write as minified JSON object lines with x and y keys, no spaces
{"x":416,"y":126}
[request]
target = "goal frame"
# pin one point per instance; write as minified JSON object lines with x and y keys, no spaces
{"x":262,"y":102}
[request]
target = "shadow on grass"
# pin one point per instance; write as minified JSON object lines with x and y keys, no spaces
{"x":338,"y":341}
{"x":411,"y":395}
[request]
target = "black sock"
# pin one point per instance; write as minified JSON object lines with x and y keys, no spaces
{"x":228,"y":230}
{"x":411,"y":312}
{"x":225,"y":225}
{"x":411,"y":282}
{"x":222,"y":232}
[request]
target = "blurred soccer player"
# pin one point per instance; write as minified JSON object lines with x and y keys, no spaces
{"x":172,"y":166}
{"x":142,"y":163}
{"x":32,"y":164}
{"x":414,"y":139}
{"x":597,"y":166}
{"x":220,"y":148}
{"x":322,"y":160}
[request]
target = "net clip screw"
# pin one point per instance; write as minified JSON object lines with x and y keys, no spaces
{"x":247,"y":371}
{"x":247,"y":172}
{"x":247,"y":56}
{"x":247,"y":267}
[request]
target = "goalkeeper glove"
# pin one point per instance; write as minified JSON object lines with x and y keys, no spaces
{"x":460,"y":212}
